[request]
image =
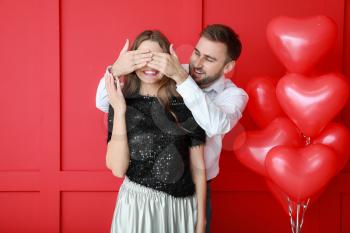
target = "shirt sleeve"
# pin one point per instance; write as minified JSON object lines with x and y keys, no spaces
{"x":216,"y":116}
{"x":102,"y":101}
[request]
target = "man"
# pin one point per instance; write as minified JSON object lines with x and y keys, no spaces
{"x":215,"y":102}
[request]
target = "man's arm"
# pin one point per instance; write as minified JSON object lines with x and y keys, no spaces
{"x":102,"y":101}
{"x":218,"y":116}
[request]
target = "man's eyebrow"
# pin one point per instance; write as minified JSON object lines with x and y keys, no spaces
{"x":206,"y":55}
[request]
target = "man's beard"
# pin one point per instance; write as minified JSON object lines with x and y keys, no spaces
{"x":206,"y":80}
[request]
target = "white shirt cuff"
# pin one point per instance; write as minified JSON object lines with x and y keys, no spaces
{"x":188,"y":89}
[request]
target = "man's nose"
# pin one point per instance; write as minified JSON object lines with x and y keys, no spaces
{"x":199,"y":62}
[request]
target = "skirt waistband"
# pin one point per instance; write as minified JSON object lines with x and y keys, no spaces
{"x":136,"y":188}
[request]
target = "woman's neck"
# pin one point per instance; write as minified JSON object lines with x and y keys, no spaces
{"x":150,"y":89}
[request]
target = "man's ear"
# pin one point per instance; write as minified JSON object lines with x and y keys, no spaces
{"x":229,"y":66}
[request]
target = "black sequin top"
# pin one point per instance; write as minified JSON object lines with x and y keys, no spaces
{"x":158,"y":147}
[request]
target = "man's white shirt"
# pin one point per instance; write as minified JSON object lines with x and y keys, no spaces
{"x":216,"y":108}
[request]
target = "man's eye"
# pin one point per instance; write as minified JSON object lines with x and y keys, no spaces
{"x":210,"y":60}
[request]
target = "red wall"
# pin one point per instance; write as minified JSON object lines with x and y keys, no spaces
{"x":52,"y":156}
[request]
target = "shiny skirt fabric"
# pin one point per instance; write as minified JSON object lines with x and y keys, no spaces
{"x":140,"y":209}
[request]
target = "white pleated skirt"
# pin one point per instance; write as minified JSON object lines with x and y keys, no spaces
{"x":140,"y":209}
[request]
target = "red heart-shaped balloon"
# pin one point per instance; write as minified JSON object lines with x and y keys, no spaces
{"x":252,"y":147}
{"x":263,"y":105}
{"x":336,"y":136}
{"x":312,"y":103}
{"x":301,"y":172}
{"x":301,"y":43}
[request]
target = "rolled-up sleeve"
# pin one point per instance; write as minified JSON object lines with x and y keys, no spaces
{"x":102,"y":101}
{"x":217,"y":116}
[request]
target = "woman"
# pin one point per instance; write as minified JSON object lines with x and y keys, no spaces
{"x":155,"y":142}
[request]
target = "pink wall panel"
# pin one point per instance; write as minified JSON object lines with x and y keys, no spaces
{"x":20,"y":59}
{"x":19,"y":212}
{"x":29,"y":132}
{"x":87,"y":212}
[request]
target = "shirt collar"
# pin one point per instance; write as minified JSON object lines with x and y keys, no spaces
{"x":217,"y":86}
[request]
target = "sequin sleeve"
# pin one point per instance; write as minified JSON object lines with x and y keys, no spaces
{"x":197,"y":134}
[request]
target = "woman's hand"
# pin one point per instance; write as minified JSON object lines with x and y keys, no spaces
{"x":115,"y":95}
{"x":129,"y":61}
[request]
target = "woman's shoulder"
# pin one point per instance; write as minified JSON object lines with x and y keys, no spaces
{"x":180,"y":109}
{"x":137,"y":98}
{"x":177,"y":101}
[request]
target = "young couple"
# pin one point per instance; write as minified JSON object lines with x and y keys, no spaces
{"x":166,"y":122}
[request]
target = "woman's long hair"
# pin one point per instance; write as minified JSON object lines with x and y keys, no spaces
{"x":167,"y":87}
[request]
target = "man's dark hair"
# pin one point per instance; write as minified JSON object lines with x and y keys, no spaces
{"x":225,"y":35}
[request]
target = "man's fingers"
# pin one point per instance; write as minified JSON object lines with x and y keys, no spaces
{"x":126,"y":47}
{"x":158,"y":54}
{"x":142,"y":55}
{"x":159,"y":63}
{"x":159,"y":59}
{"x":139,"y":66}
{"x":144,"y":60}
{"x":141,"y":58}
{"x":135,"y":52}
{"x":172,"y":51}
{"x":163,"y":58}
{"x":155,"y":66}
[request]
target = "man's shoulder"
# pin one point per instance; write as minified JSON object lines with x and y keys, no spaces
{"x":229,"y":83}
{"x":231,"y":88}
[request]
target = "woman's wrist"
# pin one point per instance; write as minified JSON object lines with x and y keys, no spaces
{"x":119,"y":114}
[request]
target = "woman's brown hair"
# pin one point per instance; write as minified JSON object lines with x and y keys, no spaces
{"x":167,"y":88}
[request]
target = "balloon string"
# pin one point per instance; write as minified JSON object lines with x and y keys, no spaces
{"x":307,"y":139}
{"x":305,"y":206}
{"x":301,"y":207}
{"x":297,"y":220}
{"x":290,"y":211}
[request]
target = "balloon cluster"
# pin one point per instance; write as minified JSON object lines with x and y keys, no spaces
{"x":298,"y":149}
